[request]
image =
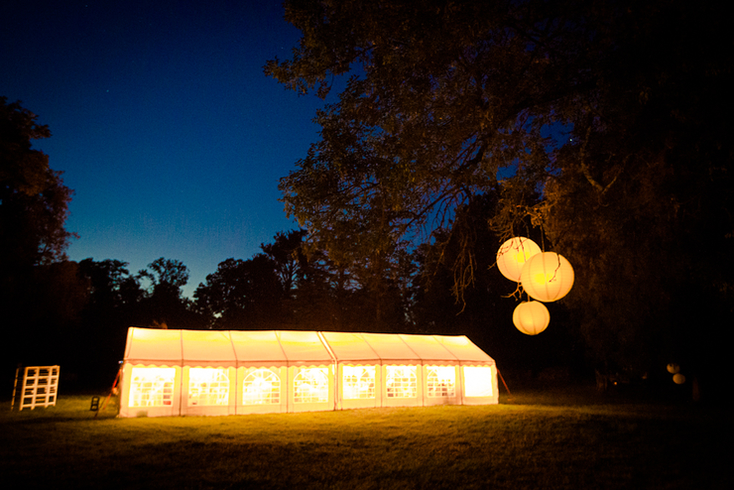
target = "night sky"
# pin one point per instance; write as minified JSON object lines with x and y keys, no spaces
{"x":162,"y":121}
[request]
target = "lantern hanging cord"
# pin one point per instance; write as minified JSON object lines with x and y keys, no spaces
{"x":542,"y":240}
{"x":517,"y":293}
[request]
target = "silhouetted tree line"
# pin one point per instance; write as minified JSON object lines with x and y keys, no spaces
{"x":57,"y":311}
{"x":77,"y":313}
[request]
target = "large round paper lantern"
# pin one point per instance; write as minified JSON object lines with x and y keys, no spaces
{"x":513,"y":254}
{"x":547,"y":277}
{"x":679,"y":379}
{"x":531,"y":317}
{"x":673,"y":368}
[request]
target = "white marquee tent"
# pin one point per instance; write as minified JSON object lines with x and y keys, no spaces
{"x":216,"y":372}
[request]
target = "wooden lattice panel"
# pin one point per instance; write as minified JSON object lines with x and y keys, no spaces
{"x":40,"y":387}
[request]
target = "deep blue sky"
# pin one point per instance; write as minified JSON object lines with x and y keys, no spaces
{"x":162,"y":121}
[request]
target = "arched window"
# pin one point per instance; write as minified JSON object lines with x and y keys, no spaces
{"x":261,"y":387}
{"x":208,"y":387}
{"x":311,"y":385}
{"x":441,"y":381}
{"x":152,"y":387}
{"x":401,"y":382}
{"x":359,"y":382}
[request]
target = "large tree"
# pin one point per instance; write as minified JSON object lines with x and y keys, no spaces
{"x":33,"y":198}
{"x":606,"y":108}
{"x":242,"y":294}
{"x":287,"y":258}
{"x":38,"y":296}
{"x":163,"y":304}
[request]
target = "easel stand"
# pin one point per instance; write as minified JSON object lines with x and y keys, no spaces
{"x":107,"y":400}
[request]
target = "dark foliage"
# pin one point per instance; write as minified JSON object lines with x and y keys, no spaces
{"x":614,"y":111}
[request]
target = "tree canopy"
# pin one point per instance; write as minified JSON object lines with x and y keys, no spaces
{"x":33,"y":198}
{"x":35,"y":286}
{"x":594,"y":121}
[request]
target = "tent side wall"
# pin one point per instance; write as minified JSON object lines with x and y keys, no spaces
{"x":442,"y":384}
{"x":358,"y":385}
{"x":402,"y":384}
{"x":262,"y":389}
{"x":365,"y":385}
{"x":208,"y":390}
{"x":311,"y":388}
{"x":480,"y":385}
{"x":150,"y":390}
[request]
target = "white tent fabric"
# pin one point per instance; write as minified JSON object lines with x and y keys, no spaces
{"x":210,"y":372}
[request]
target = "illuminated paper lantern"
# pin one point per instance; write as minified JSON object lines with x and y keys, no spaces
{"x":673,"y":368}
{"x":679,"y":379}
{"x":513,"y":254}
{"x":547,"y":277}
{"x":531,"y":317}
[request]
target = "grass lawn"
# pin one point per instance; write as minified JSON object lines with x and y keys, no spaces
{"x":534,"y":440}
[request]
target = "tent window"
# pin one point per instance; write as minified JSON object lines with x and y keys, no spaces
{"x":261,"y":387}
{"x":401,"y":382}
{"x":359,"y":382}
{"x":208,"y":386}
{"x":152,"y":387}
{"x":311,"y":385}
{"x":441,"y":381}
{"x":478,"y":381}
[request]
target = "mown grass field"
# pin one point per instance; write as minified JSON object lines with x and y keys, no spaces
{"x":543,"y":440}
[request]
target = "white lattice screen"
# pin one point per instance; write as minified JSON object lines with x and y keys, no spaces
{"x":39,"y":387}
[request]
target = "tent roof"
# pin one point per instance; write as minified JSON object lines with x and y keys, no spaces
{"x":286,"y":347}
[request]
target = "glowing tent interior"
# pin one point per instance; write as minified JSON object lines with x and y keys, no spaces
{"x":216,"y":372}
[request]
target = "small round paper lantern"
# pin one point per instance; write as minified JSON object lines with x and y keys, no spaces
{"x":679,"y":379}
{"x":531,"y":317}
{"x":673,"y":368}
{"x":547,"y":277}
{"x":513,"y":254}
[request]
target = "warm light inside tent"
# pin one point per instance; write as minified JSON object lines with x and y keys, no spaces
{"x":401,"y":382}
{"x":441,"y":381}
{"x":261,"y":387}
{"x":359,"y":382}
{"x":477,"y":381}
{"x":208,"y":386}
{"x":311,"y":385}
{"x":152,"y":386}
{"x":531,"y":317}
{"x":237,"y":372}
{"x":513,"y":254}
{"x":547,"y":277}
